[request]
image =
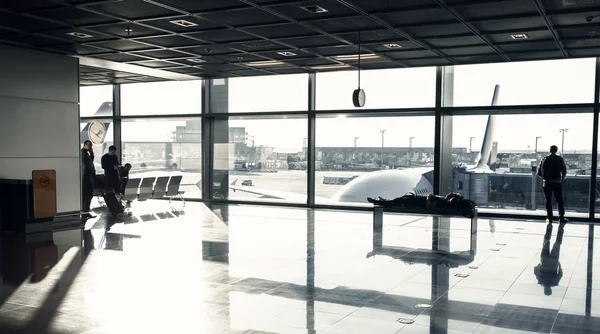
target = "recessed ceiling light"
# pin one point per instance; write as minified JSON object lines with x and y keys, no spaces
{"x":240,"y":57}
{"x":128,"y":30}
{"x":196,"y":60}
{"x":519,"y":36}
{"x":366,"y":56}
{"x":265,"y":63}
{"x":392,"y":46}
{"x":314,"y":9}
{"x":329,"y":67}
{"x":286,"y":53}
{"x":79,"y":34}
{"x":183,"y":23}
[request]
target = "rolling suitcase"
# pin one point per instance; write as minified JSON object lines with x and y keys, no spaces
{"x":113,"y":204}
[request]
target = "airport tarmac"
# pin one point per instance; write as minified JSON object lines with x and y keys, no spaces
{"x":293,"y":181}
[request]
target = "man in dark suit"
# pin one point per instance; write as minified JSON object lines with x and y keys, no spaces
{"x":88,"y":176}
{"x":553,"y":171}
{"x":111,"y":166}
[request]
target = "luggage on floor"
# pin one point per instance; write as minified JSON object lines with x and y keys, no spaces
{"x":113,"y":204}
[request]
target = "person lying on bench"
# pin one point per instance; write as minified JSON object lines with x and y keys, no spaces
{"x":454,"y":201}
{"x":408,"y":197}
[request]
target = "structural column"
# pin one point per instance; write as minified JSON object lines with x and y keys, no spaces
{"x":117,"y":137}
{"x":594,"y":168}
{"x":311,"y":147}
{"x":442,"y":177}
{"x":217,"y":132}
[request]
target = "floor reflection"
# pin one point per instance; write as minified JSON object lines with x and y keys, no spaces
{"x":549,"y":271}
{"x":251,"y":269}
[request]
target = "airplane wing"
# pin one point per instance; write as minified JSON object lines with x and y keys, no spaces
{"x":277,"y":194}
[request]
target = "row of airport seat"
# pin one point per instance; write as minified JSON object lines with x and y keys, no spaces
{"x":146,"y":188}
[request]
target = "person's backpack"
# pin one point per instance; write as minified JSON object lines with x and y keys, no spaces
{"x":550,"y":168}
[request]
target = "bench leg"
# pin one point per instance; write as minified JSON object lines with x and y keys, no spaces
{"x":474,"y":233}
{"x":377,"y":227}
{"x":377,"y":218}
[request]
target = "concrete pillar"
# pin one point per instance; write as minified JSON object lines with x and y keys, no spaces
{"x":222,"y":162}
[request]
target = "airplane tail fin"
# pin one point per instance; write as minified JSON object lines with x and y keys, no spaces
{"x":234,"y":182}
{"x":488,"y":138}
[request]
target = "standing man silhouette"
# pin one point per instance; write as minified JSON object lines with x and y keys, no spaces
{"x":88,"y":177}
{"x":111,"y":165}
{"x":553,"y":171}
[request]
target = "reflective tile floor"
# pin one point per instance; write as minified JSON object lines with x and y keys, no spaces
{"x":258,"y":269}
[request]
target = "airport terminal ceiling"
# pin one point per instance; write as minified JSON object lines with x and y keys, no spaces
{"x":167,"y":39}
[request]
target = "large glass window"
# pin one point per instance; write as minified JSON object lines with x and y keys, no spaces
{"x":360,"y":157}
{"x":262,"y":93}
{"x":260,"y":159}
{"x":165,"y":148}
{"x":162,"y":98}
{"x":524,"y":83}
{"x":96,"y":101}
{"x":506,"y":179}
{"x":390,"y":88}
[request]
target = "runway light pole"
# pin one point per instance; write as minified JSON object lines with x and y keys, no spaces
{"x":562,"y":146}
{"x":471,"y":149}
{"x":410,"y":139}
{"x":536,"y":146}
{"x":356,"y":141}
{"x":382,"y":136}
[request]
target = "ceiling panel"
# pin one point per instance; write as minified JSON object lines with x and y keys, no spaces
{"x":126,"y":30}
{"x":296,"y":12}
{"x":437,"y":30}
{"x":224,"y":33}
{"x":132,"y":9}
{"x":123,"y":45}
{"x":483,"y":9}
{"x":222,"y":36}
{"x":202,"y":6}
{"x":74,"y":16}
{"x":171,"y":41}
{"x":284,"y":30}
{"x":412,"y":17}
{"x":78,"y":49}
{"x":167,"y":24}
{"x":162,"y":54}
{"x":556,"y":5}
{"x":27,"y":24}
{"x":248,"y":16}
{"x":346,"y":24}
{"x":121,"y":57}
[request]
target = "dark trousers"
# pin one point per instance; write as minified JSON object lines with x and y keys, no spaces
{"x":87,"y":192}
{"x":112,"y":183}
{"x":556,"y":189}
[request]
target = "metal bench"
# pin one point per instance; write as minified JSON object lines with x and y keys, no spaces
{"x":378,"y":211}
{"x":160,"y":188}
{"x":146,"y":188}
{"x":131,"y":189}
{"x":173,"y":189}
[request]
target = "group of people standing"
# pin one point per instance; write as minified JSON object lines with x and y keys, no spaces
{"x":114,"y":174}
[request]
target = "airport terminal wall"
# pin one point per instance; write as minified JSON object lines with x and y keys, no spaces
{"x":39,"y":104}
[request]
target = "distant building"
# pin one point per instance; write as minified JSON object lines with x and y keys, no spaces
{"x":237,"y":135}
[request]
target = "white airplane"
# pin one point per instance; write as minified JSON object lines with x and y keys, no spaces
{"x":387,"y":183}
